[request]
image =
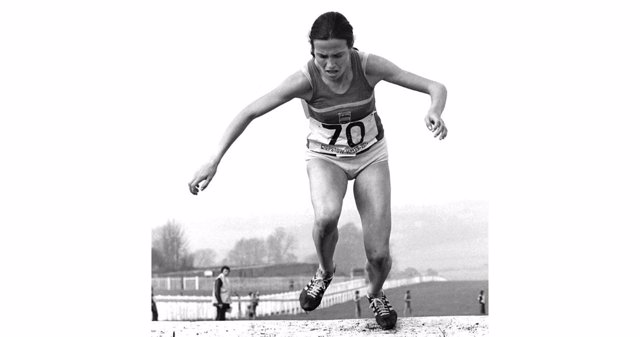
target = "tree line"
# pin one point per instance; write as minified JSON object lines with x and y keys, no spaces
{"x":170,"y":250}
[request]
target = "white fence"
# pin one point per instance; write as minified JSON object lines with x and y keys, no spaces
{"x":240,"y":284}
{"x":192,"y":308}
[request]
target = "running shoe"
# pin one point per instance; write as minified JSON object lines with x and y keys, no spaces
{"x":311,"y":295}
{"x":386,"y":317}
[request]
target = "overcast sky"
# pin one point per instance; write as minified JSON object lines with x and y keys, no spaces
{"x":108,"y":108}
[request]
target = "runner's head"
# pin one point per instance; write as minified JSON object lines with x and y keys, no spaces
{"x":331,"y":25}
{"x":331,"y":39}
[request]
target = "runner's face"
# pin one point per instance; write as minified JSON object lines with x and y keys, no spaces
{"x":332,"y":57}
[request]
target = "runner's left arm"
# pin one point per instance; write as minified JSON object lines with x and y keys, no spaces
{"x":379,"y":68}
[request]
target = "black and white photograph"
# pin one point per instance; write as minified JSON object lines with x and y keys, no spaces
{"x":325,"y":168}
{"x":298,"y":165}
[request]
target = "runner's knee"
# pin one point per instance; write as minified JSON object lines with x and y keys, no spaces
{"x":379,"y":257}
{"x":326,"y":222}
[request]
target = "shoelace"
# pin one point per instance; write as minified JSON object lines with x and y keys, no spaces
{"x":380,"y":306}
{"x":315,"y":286}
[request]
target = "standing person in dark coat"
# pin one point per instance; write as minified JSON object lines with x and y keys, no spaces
{"x":222,"y":293}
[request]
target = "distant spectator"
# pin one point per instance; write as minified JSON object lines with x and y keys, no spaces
{"x":154,"y":309}
{"x":407,"y":303}
{"x":291,"y":288}
{"x":356,"y":300}
{"x":482,"y":301}
{"x":257,"y":297}
{"x":222,"y":293}
{"x":253,"y":304}
{"x":235,"y":293}
{"x":250,"y":306}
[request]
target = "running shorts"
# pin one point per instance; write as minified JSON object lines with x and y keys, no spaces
{"x":352,"y":166}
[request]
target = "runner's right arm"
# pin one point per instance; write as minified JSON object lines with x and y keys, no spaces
{"x":295,"y":86}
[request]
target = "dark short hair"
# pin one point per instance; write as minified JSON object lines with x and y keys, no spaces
{"x":225,"y":267}
{"x":331,"y":25}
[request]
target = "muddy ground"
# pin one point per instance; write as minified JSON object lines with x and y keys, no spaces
{"x":453,"y":326}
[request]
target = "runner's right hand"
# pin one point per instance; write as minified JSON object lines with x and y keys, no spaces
{"x":202,"y":178}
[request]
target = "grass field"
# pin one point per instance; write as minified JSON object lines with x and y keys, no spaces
{"x":451,"y":298}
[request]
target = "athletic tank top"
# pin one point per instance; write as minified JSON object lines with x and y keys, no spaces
{"x":345,"y":124}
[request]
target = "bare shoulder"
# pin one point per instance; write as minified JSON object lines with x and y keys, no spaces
{"x":296,"y":85}
{"x":379,"y":68}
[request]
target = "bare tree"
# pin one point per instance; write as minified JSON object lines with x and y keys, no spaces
{"x":157,"y":262}
{"x":204,"y":258}
{"x":171,"y":243}
{"x":349,"y":252}
{"x":280,"y":246}
{"x":247,"y":252}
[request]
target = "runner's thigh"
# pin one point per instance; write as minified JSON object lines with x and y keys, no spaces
{"x":372,"y":192}
{"x":327,"y":184}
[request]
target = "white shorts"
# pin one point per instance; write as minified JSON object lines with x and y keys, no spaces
{"x":352,"y":166}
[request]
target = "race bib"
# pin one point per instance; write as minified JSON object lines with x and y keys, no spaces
{"x":345,"y":139}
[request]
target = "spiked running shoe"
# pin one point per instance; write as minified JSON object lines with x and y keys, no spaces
{"x":386,"y":317}
{"x":311,"y":295}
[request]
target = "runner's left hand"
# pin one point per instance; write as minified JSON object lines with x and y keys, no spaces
{"x":436,"y":125}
